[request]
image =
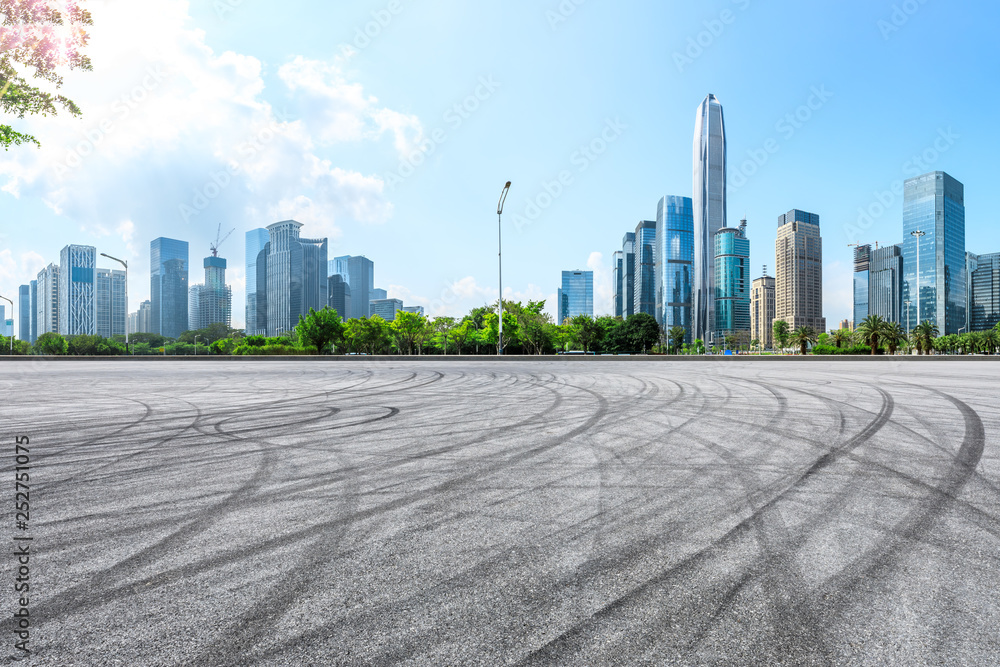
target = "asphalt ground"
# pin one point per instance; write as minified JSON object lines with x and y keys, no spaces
{"x":519,"y":513}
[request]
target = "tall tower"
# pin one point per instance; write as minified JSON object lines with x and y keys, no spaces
{"x":256,"y":239}
{"x":78,"y":290}
{"x":709,"y":208}
{"x":644,"y":291}
{"x":168,"y":286}
{"x":762,"y":311}
{"x":799,"y":276}
{"x":674,"y":256}
{"x":732,"y":282}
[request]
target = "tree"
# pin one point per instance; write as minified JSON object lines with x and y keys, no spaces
{"x":782,"y":332}
{"x":320,"y":329}
{"x":462,"y":332}
{"x":991,"y":339}
{"x":490,"y":332}
{"x":586,"y":331}
{"x":924,"y":335}
{"x":51,"y":343}
{"x":533,"y":324}
{"x":872,"y":331}
{"x":893,"y":335}
{"x":803,"y":336}
{"x":841,"y":336}
{"x":643,"y":331}
{"x":18,"y":348}
{"x":443,"y":326}
{"x":36,"y":34}
{"x":675,"y":338}
{"x":409,"y":330}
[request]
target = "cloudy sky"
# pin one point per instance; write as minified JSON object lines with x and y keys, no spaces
{"x":390,"y":127}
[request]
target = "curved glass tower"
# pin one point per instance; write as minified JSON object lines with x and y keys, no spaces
{"x":709,"y":208}
{"x":732,"y":284}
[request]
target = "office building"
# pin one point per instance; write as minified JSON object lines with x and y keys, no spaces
{"x":378,"y":295}
{"x":885,"y":284}
{"x":212,"y":302}
{"x":33,"y":311}
{"x":674,"y":264}
{"x":296,"y":277}
{"x":141,"y":320}
{"x":846,"y":325}
{"x":256,"y":241}
{"x":339,"y":266}
{"x":798,"y":283}
{"x":934,"y":205}
{"x":168,"y":286}
{"x":340,"y":295}
{"x":360,"y":276}
{"x":112,"y":306}
{"x":984,"y":292}
{"x":576,"y":296}
{"x":385,"y":308}
{"x":644,"y":296}
{"x":732,"y":283}
{"x":709,"y":208}
{"x":419,"y":310}
{"x":862,"y":266}
{"x":24,"y":313}
{"x":762,"y":311}
{"x":7,"y":328}
{"x":628,"y":275}
{"x":78,"y":290}
{"x":617,"y":260}
{"x":47,"y":304}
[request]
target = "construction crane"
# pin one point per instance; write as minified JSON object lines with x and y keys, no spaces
{"x":219,"y":241}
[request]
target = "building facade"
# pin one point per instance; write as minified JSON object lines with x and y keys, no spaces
{"x":141,"y":320}
{"x":112,"y":303}
{"x":24,"y":313}
{"x":33,"y":313}
{"x":885,"y":284}
{"x":47,"y":304}
{"x":418,"y":310}
{"x":762,"y":311}
{"x":385,"y":308}
{"x":674,"y":263}
{"x":627,"y":287}
{"x":340,"y":295}
{"x":984,"y":292}
{"x":617,"y":260}
{"x":934,"y":205}
{"x":256,"y":240}
{"x":296,"y":277}
{"x":212,"y":302}
{"x":709,"y":207}
{"x":732,"y":283}
{"x":644,"y":292}
{"x":359,"y":272}
{"x":78,"y":290}
{"x":798,"y":282}
{"x":862,"y":270}
{"x":168,"y":286}
{"x":576,"y":296}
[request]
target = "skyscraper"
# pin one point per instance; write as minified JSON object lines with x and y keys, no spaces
{"x":378,"y":294}
{"x":139,"y":321}
{"x":709,"y":207}
{"x":24,"y":312}
{"x":385,"y":308}
{"x":212,"y":302}
{"x":617,"y":261}
{"x":644,"y":297}
{"x":33,"y":312}
{"x":798,"y":281}
{"x":732,"y":283}
{"x":885,"y":284}
{"x":576,"y":296}
{"x":674,"y":263}
{"x":294,"y":267}
{"x":78,"y":290}
{"x":984,"y":295}
{"x":361,"y":279}
{"x":168,"y":286}
{"x":628,"y":275}
{"x":862,"y":267}
{"x":934,"y":205}
{"x":762,"y":311}
{"x":256,"y":239}
{"x":340,"y":295}
{"x":112,"y":310}
{"x":47,"y":304}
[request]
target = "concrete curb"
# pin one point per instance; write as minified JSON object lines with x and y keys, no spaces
{"x":513,"y":358}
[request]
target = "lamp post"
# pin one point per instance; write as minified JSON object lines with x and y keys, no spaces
{"x":918,"y":235}
{"x":12,"y":314}
{"x":503,"y":198}
{"x":125,"y":264}
{"x":196,"y":345}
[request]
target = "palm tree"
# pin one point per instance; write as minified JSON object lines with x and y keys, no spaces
{"x":925,"y":333}
{"x":872,"y":330}
{"x":992,"y":340}
{"x":754,"y":344}
{"x":676,"y":337}
{"x":781,"y":333}
{"x":893,"y":335}
{"x":840,"y":336}
{"x":803,"y":336}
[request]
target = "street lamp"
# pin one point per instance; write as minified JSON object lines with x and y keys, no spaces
{"x":125,"y":264}
{"x":196,"y":345}
{"x":918,"y":234}
{"x":12,"y":315}
{"x":503,"y":198}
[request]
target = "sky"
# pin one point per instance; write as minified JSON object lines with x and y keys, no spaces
{"x":390,"y":127}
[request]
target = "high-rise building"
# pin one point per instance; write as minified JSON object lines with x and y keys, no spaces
{"x":628,"y":275}
{"x":212,"y":302}
{"x":644,"y":297}
{"x":112,"y":308}
{"x":378,"y":295}
{"x":385,"y":308}
{"x":47,"y":304}
{"x":862,"y":268}
{"x":140,"y":320}
{"x":674,"y":263}
{"x":340,"y":295}
{"x":934,"y":205}
{"x":732,"y":283}
{"x":709,"y":207}
{"x":78,"y":290}
{"x":762,"y":311}
{"x":846,"y":325}
{"x":419,"y":310}
{"x":24,"y":312}
{"x":576,"y":296}
{"x":885,"y":284}
{"x":984,"y":294}
{"x":168,"y":286}
{"x":33,"y":311}
{"x":339,"y":266}
{"x":617,"y":260}
{"x":256,"y":240}
{"x":360,"y":276}
{"x":295,"y":268}
{"x":798,"y":282}
{"x":7,"y":328}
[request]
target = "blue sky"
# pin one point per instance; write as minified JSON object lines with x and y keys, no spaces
{"x":395,"y":144}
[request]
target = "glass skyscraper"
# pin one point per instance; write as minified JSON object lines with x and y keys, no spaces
{"x":78,"y":290}
{"x":984,"y":295}
{"x":112,"y":310}
{"x":935,"y":205}
{"x":617,"y":264}
{"x":47,"y":303}
{"x":628,"y":275}
{"x":709,"y":207}
{"x":296,"y":277}
{"x":576,"y":297}
{"x":361,"y":279}
{"x":732,"y":282}
{"x":862,"y":267}
{"x":674,"y":263}
{"x":340,"y":295}
{"x":256,"y":239}
{"x":212,"y":302}
{"x":644,"y":297}
{"x":34,"y":311}
{"x":168,"y":286}
{"x":885,"y":284}
{"x":24,"y":312}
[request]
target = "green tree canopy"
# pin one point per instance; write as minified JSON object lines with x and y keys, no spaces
{"x":51,"y":343}
{"x":320,"y":329}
